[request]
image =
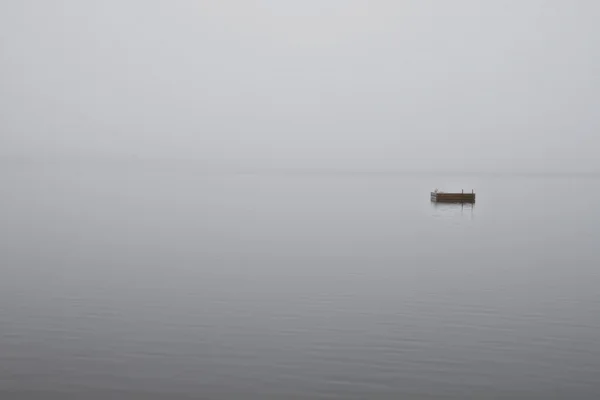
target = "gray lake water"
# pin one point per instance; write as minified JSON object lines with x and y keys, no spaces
{"x":166,"y":282}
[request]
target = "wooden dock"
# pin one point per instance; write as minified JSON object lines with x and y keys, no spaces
{"x":442,"y":197}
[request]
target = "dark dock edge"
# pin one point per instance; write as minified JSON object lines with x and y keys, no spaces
{"x":441,"y":197}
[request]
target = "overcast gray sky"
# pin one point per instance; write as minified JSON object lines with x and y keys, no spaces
{"x":420,"y":84}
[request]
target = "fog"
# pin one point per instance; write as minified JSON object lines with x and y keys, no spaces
{"x":419,"y":85}
{"x":231,"y":199}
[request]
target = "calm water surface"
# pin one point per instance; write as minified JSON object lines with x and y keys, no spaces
{"x":166,"y":282}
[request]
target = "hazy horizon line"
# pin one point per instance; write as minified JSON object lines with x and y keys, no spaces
{"x":253,"y":166}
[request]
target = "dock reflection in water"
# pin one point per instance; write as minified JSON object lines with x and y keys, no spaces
{"x":453,"y":210}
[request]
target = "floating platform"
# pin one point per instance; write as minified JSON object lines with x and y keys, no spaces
{"x":443,"y":197}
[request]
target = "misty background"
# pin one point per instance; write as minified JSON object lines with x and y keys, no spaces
{"x":408,"y":85}
{"x":231,"y":199}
